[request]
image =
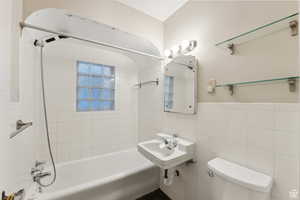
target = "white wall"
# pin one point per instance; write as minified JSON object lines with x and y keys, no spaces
{"x":271,"y":56}
{"x":76,"y":135}
{"x":18,"y":155}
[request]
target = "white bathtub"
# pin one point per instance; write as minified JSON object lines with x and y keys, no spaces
{"x":123,"y":175}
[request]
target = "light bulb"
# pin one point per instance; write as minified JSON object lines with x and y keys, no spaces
{"x":168,"y":53}
{"x":185,"y":45}
{"x":176,"y":49}
{"x":193,"y":45}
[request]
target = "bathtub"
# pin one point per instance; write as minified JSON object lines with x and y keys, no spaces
{"x":123,"y":175}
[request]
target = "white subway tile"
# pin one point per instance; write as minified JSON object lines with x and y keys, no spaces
{"x":287,"y":107}
{"x":287,"y":121}
{"x":260,"y":160}
{"x":286,"y":176}
{"x":261,"y":138}
{"x":261,"y":120}
{"x":286,"y":143}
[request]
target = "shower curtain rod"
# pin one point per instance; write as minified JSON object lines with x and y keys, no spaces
{"x":25,"y":25}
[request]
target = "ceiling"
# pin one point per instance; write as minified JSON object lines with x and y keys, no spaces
{"x":159,"y":9}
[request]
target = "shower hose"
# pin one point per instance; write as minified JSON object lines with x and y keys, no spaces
{"x":46,"y":120}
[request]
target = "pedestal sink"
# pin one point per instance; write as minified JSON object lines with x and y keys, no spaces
{"x":167,"y":151}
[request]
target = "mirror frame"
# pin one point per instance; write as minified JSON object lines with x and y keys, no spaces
{"x":189,"y":61}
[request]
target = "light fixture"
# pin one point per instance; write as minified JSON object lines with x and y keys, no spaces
{"x":168,"y":53}
{"x":188,"y":46}
{"x":176,"y":49}
{"x":185,"y":46}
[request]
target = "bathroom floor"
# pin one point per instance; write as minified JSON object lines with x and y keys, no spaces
{"x":155,"y":195}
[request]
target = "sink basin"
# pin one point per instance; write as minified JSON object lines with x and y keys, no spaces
{"x":164,"y":157}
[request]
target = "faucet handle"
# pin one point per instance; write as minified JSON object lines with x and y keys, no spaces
{"x":39,"y":163}
{"x":34,"y":171}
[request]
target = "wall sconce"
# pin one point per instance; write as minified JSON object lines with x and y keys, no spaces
{"x":186,"y":46}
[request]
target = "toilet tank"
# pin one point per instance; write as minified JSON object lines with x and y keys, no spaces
{"x":240,"y":175}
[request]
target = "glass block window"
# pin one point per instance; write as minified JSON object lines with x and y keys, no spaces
{"x":169,"y":92}
{"x":95,"y":87}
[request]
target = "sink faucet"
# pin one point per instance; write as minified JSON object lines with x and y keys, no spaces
{"x":170,"y":142}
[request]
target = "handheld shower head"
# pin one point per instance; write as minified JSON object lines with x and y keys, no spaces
{"x":38,"y":43}
{"x":43,"y":41}
{"x":62,"y":37}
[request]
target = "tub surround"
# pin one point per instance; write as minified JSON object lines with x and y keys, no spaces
{"x":78,"y":135}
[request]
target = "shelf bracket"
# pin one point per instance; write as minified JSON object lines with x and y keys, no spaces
{"x":292,"y":84}
{"x":231,"y":89}
{"x":294,"y":27}
{"x":231,"y":48}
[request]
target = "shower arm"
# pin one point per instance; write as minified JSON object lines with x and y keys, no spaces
{"x":25,"y":25}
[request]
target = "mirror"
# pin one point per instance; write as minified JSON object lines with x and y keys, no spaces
{"x":180,"y":85}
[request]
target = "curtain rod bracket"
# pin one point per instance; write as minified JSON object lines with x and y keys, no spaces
{"x":140,"y":84}
{"x":231,"y":89}
{"x":294,"y":27}
{"x":292,"y":84}
{"x":231,"y":48}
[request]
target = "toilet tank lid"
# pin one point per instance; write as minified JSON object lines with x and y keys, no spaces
{"x":241,"y":175}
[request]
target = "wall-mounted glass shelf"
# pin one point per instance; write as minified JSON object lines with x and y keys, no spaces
{"x":258,"y":81}
{"x":263,"y":30}
{"x":291,"y":80}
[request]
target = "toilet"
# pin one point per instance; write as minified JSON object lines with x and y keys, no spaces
{"x":234,"y":182}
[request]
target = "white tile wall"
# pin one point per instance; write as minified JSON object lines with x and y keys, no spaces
{"x":263,"y":137}
{"x":82,"y":134}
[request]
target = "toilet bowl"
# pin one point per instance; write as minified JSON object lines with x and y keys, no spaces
{"x":234,"y":182}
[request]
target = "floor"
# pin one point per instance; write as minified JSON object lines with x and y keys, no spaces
{"x":155,"y":195}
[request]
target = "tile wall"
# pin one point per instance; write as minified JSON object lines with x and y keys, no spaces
{"x":263,"y":137}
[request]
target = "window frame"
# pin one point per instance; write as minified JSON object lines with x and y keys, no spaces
{"x":78,"y":86}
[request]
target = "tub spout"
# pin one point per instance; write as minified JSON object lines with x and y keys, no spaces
{"x":37,"y":177}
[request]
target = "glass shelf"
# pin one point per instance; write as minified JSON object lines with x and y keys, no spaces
{"x":258,"y":81}
{"x":260,"y":31}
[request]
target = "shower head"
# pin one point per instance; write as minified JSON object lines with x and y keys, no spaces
{"x":62,"y":37}
{"x":50,"y":39}
{"x":38,"y":43}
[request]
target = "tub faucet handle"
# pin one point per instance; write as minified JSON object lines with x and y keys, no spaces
{"x":34,"y":171}
{"x":39,"y":163}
